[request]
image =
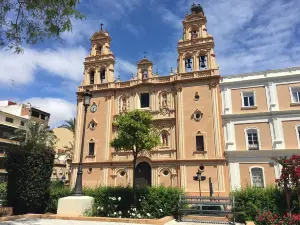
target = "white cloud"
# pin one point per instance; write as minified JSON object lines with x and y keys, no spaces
{"x":249,"y":35}
{"x":82,"y":30}
{"x":124,"y":68}
{"x":135,"y":30}
{"x":59,"y":109}
{"x":63,"y":62}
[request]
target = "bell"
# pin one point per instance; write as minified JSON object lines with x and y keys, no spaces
{"x":188,"y":63}
{"x":202,"y":62}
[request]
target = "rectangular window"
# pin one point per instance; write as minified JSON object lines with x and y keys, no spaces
{"x":199,"y":143}
{"x":9,"y":120}
{"x":252,"y":140}
{"x":248,"y":99}
{"x":296,"y":95}
{"x":43,"y":116}
{"x":91,"y":148}
{"x":257,"y":177}
{"x":35,"y":114}
{"x":22,"y":123}
{"x":92,"y":77}
{"x":145,"y":100}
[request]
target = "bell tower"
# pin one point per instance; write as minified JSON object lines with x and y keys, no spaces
{"x":196,"y":48}
{"x":99,"y":65}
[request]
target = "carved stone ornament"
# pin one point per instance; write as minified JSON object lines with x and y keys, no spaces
{"x":197,"y":115}
{"x":164,"y":111}
{"x":92,"y":125}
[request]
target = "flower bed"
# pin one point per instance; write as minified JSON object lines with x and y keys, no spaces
{"x":153,"y":202}
{"x":269,"y":218}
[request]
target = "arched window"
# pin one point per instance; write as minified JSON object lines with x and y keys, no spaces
{"x":189,"y":64}
{"x":257,"y":176}
{"x":252,"y":139}
{"x":194,"y":34}
{"x":165,"y":138}
{"x":98,"y":50}
{"x":92,"y":77}
{"x":102,"y":75}
{"x":298,"y":134}
{"x":203,"y":62}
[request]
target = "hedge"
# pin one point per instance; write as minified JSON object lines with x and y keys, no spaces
{"x":153,"y":202}
{"x":29,"y":170}
{"x":249,"y":200}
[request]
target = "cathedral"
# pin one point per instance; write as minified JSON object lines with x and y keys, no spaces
{"x":225,"y":124}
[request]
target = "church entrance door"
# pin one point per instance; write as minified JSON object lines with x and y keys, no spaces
{"x":143,"y":174}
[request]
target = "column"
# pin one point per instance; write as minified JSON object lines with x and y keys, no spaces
{"x":182,"y":177}
{"x":234,"y":176}
{"x":216,"y":120}
{"x":108,"y":128}
{"x":180,"y":123}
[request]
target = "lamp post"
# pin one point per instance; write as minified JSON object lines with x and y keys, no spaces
{"x":199,"y":179}
{"x":78,"y":186}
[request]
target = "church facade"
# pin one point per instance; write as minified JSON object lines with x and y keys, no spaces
{"x":186,"y":107}
{"x":233,"y":125}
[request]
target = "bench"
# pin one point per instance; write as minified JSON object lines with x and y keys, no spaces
{"x":204,"y":206}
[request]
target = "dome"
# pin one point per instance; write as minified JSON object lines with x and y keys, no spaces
{"x":196,"y":8}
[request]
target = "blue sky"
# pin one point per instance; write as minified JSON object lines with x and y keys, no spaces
{"x":250,"y":35}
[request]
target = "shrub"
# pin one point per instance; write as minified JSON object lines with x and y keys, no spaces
{"x":153,"y":202}
{"x":29,"y":170}
{"x":57,"y":191}
{"x":251,"y":199}
{"x":3,"y":193}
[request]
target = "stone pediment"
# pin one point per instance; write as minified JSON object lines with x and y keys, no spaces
{"x":100,"y":35}
{"x":144,"y":61}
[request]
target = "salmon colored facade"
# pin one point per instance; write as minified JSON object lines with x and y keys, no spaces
{"x":186,"y":107}
{"x":261,"y":120}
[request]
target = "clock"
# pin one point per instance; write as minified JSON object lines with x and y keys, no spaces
{"x":93,"y":108}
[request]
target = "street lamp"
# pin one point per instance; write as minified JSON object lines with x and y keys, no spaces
{"x":78,"y":186}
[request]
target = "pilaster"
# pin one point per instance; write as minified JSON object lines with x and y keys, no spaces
{"x":276,"y":130}
{"x":227,"y":101}
{"x":234,"y":176}
{"x":108,"y":127}
{"x":216,"y":120}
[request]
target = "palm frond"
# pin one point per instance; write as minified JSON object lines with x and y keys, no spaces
{"x":70,"y":125}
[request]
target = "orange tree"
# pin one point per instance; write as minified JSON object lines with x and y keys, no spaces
{"x":136,"y":134}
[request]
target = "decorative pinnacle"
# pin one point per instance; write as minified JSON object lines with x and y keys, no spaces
{"x":156,"y":71}
{"x":132,"y":75}
{"x":101,"y":25}
{"x":171,"y":69}
{"x":119,"y":78}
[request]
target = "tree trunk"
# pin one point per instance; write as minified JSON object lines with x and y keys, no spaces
{"x":287,"y":196}
{"x":133,"y":183}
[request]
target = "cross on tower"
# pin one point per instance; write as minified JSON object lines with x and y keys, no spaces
{"x":101,"y":25}
{"x":145,"y":54}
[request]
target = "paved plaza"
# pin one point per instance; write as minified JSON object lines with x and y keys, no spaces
{"x":27,"y":221}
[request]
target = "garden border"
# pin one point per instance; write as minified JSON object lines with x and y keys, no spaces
{"x":161,"y":221}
